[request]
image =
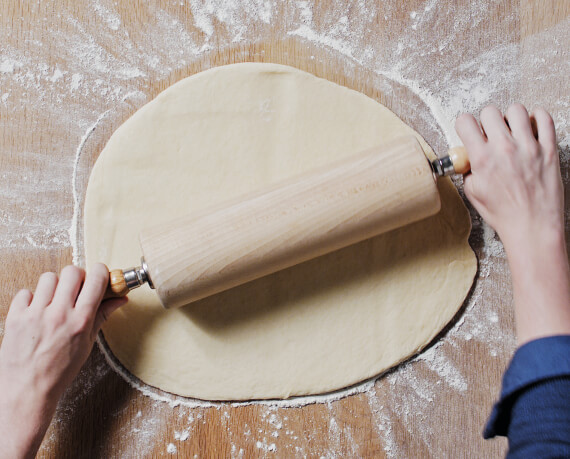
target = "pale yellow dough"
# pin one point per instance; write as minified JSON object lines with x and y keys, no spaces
{"x":314,"y":328}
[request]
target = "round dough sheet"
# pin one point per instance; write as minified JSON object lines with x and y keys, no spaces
{"x":313,"y":328}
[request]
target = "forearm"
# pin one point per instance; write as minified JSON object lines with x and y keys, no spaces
{"x":541,"y":284}
{"x":48,"y":337}
{"x":24,"y":419}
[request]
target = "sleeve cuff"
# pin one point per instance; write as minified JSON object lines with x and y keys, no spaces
{"x":533,"y":362}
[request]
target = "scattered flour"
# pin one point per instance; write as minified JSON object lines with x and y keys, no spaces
{"x":77,"y":204}
{"x":76,"y":79}
{"x":265,"y":446}
{"x":9,"y":65}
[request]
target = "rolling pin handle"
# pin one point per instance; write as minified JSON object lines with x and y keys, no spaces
{"x":456,"y":162}
{"x":117,"y":286}
{"x":121,"y":282}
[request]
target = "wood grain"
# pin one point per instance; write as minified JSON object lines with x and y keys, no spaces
{"x":41,"y":128}
{"x":307,"y":216}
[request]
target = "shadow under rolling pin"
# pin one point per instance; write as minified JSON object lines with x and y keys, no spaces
{"x":346,"y":202}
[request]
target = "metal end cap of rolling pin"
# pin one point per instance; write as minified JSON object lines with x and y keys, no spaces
{"x":135,"y":277}
{"x":443,"y":166}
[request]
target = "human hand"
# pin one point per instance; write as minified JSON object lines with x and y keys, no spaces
{"x":515,"y":185}
{"x":48,"y":337}
{"x":515,"y":181}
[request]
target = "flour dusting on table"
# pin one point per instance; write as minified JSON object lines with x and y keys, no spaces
{"x":102,"y":71}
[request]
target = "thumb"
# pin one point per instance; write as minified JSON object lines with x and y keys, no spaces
{"x":105,"y":310}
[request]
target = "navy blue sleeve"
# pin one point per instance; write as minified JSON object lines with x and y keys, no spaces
{"x":534,"y":408}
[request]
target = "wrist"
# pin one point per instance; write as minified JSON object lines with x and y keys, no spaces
{"x":538,"y":259}
{"x":527,"y":243}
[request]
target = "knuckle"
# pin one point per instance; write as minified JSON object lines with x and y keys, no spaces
{"x":533,"y":150}
{"x":551,"y":155}
{"x":82,"y":324}
{"x":543,"y":115}
{"x":100,"y":273}
{"x":13,"y":317}
{"x":548,"y":121}
{"x":24,"y":293}
{"x":55,"y":320}
{"x":15,"y":324}
{"x":49,"y":276}
{"x":516,"y":108}
{"x":100,"y":268}
{"x":462,"y":119}
{"x":508,"y":146}
{"x":23,"y":297}
{"x":489,"y":110}
{"x":73,"y":272}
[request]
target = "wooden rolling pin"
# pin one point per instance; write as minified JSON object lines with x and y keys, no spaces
{"x":302,"y":218}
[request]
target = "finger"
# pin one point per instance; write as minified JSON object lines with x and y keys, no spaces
{"x":545,"y":129}
{"x":45,"y":289}
{"x":70,"y":282}
{"x":519,"y":123}
{"x":471,"y":135}
{"x":96,"y":283}
{"x":493,"y":123}
{"x":105,"y":311}
{"x":21,"y":300}
{"x":469,"y":131}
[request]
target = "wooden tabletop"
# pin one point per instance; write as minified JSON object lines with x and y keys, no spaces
{"x":72,"y":71}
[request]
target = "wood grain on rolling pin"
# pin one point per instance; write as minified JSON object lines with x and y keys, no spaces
{"x":305,"y":217}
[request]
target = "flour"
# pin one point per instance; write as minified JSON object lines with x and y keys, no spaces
{"x":57,"y":74}
{"x":265,"y":446}
{"x":9,"y":65}
{"x":176,"y":401}
{"x":182,"y":436}
{"x":111,"y":18}
{"x":76,"y":79}
{"x":77,"y":209}
{"x":107,"y":62}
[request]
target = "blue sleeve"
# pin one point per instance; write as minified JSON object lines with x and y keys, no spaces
{"x":534,"y":408}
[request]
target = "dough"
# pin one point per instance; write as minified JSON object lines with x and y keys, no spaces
{"x":314,"y":328}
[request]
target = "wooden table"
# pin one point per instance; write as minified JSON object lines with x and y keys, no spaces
{"x":72,"y":72}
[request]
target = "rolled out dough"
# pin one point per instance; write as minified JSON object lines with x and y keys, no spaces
{"x":314,"y":328}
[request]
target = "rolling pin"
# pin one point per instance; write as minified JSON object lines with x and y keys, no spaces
{"x":351,"y":200}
